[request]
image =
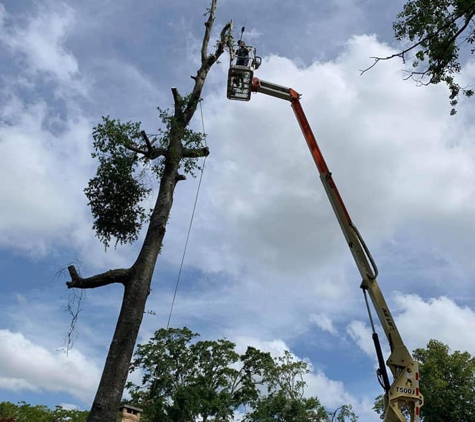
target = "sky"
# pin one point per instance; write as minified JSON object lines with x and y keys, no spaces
{"x":266,"y":263}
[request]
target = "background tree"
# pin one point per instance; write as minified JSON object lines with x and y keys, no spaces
{"x":24,"y":412}
{"x":436,"y":30}
{"x":344,"y":413}
{"x":447,"y":382}
{"x":185,"y":380}
{"x":285,"y":400}
{"x":125,"y":152}
{"x":188,"y":380}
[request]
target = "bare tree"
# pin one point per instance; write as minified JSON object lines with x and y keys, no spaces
{"x":115,"y":194}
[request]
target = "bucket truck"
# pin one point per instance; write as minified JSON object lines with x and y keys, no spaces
{"x":401,"y":395}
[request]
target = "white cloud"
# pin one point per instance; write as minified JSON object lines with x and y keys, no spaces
{"x":275,"y":347}
{"x":435,"y":318}
{"x":324,"y":322}
{"x":361,"y":334}
{"x":419,"y":320}
{"x":69,"y":406}
{"x":28,"y":366}
{"x":41,"y":41}
{"x":41,"y":176}
{"x":43,"y":133}
{"x":331,"y":393}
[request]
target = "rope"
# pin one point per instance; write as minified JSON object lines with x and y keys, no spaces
{"x":191,"y":224}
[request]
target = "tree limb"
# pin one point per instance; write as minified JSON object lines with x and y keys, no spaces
{"x":402,"y":54}
{"x":209,"y":27}
{"x":147,"y":141}
{"x":178,"y":101}
{"x":456,"y":35}
{"x":224,"y":41}
{"x":195,"y":153}
{"x":207,"y":61}
{"x":113,"y":276}
{"x":137,"y":150}
{"x":157,"y":152}
{"x":152,"y":152}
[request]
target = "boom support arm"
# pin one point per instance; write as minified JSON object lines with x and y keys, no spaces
{"x":404,"y":392}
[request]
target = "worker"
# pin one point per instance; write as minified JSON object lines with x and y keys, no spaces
{"x":242,"y":54}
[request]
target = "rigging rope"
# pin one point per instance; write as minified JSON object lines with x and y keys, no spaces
{"x":191,"y":224}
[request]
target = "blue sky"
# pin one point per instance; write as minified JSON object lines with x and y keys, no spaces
{"x":266,"y":263}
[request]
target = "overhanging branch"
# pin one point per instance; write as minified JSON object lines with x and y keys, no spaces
{"x":469,"y":12}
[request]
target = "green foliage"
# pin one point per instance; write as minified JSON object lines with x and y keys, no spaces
{"x":279,"y":407}
{"x":344,"y":413}
{"x":437,"y":29}
{"x":285,"y":399}
{"x":185,"y":379}
{"x":127,"y":165}
{"x":378,"y":406}
{"x":115,"y":192}
{"x":447,"y":382}
{"x":190,"y":139}
{"x":23,"y":412}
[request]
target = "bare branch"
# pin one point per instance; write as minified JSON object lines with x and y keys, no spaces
{"x":206,"y":62}
{"x":224,"y":41}
{"x":376,"y":60}
{"x":136,"y":149}
{"x":113,"y":276}
{"x":147,"y":141}
{"x":420,"y":76}
{"x":152,"y":152}
{"x":209,"y":26}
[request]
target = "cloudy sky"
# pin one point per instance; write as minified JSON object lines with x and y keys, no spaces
{"x":266,"y":263}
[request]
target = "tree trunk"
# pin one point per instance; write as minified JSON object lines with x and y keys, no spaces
{"x":136,"y":291}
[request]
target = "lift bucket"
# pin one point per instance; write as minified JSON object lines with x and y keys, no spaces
{"x":239,"y":83}
{"x":241,"y":71}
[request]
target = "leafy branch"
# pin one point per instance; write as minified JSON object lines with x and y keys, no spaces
{"x":437,"y":30}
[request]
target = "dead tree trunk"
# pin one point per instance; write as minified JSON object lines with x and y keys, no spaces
{"x":137,"y":279}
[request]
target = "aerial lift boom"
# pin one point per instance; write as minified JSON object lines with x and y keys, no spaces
{"x":402,"y":396}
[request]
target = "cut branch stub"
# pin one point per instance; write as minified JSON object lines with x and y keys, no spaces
{"x":110,"y":277}
{"x":195,"y":153}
